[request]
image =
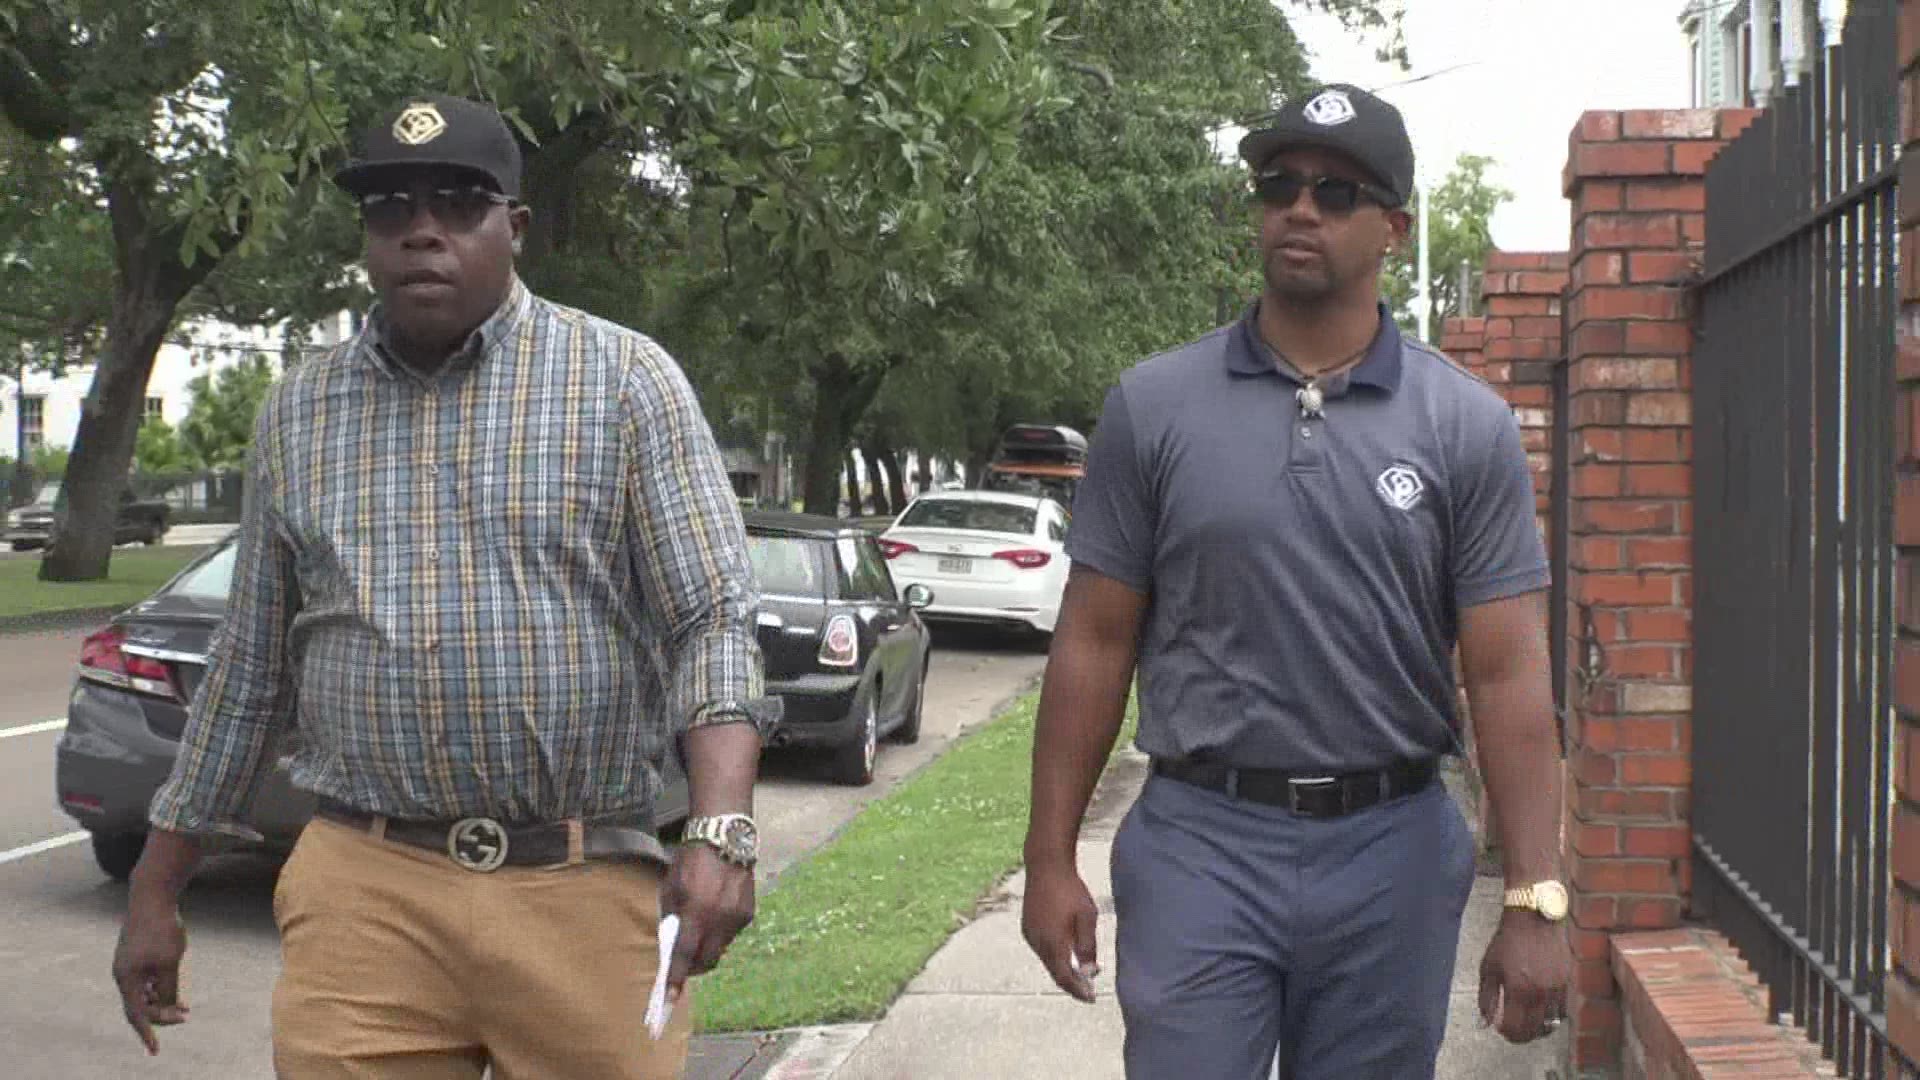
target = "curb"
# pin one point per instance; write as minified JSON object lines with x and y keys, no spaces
{"x":818,"y":1052}
{"x":63,"y":619}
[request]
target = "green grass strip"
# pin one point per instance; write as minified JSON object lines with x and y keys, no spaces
{"x":843,"y":931}
{"x":130,"y":577}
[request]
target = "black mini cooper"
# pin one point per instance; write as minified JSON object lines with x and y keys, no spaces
{"x":846,"y":652}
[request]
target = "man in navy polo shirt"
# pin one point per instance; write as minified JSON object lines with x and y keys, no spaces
{"x":1286,"y":527}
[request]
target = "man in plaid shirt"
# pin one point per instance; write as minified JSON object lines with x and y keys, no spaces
{"x":491,"y":573}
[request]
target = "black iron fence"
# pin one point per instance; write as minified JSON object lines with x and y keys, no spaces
{"x":1793,"y":545}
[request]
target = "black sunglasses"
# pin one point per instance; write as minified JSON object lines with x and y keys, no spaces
{"x":1332,"y":194}
{"x":458,"y":208}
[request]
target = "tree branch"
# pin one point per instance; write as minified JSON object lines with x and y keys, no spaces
{"x":1092,"y":71}
{"x":29,"y":104}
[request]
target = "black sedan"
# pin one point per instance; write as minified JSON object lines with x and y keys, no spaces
{"x":846,"y":652}
{"x":129,"y":706}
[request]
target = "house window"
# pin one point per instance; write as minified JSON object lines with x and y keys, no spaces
{"x":33,"y":422}
{"x":156,"y":408}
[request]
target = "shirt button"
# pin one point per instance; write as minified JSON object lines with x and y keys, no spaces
{"x":433,"y":469}
{"x":1306,"y":432}
{"x":433,"y":556}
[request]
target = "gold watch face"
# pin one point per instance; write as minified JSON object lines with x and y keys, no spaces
{"x":1550,"y":898}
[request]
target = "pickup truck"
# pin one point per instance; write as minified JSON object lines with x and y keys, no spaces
{"x":138,"y":521}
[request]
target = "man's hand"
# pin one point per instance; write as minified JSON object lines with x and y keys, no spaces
{"x":1524,"y":976}
{"x":714,"y":899}
{"x":1058,"y":918}
{"x":146,"y":967}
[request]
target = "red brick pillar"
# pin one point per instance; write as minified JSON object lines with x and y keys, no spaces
{"x":1636,"y":180}
{"x":1464,"y":340}
{"x":1523,"y":291}
{"x":1903,"y":918}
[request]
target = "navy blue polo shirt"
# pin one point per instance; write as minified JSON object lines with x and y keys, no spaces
{"x":1304,"y":574}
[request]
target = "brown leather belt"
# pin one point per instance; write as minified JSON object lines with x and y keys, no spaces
{"x":483,"y":844}
{"x":1321,"y":796}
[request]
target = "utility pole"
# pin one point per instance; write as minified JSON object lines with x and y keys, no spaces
{"x":1463,"y":294}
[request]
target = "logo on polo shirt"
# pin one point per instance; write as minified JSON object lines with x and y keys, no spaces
{"x":1331,"y":109}
{"x":1400,"y":486}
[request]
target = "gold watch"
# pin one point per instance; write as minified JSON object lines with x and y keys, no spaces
{"x":1547,"y":898}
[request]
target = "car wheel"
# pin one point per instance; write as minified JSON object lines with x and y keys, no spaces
{"x":908,"y":732}
{"x":853,"y":763}
{"x":117,"y":853}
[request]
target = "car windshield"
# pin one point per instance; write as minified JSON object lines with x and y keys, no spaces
{"x":970,"y":515}
{"x":790,"y":565}
{"x":211,"y":579}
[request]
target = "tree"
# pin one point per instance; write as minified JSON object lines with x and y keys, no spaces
{"x":219,"y":424}
{"x":1459,"y":232}
{"x":158,"y":450}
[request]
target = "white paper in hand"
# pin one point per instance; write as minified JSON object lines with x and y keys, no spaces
{"x":657,"y":1011}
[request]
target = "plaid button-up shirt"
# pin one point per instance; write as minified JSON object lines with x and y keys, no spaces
{"x":504,"y":589}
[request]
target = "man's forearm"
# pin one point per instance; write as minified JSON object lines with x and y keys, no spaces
{"x":1082,"y":703}
{"x":723,"y":760}
{"x":166,"y":865}
{"x":1520,"y":762}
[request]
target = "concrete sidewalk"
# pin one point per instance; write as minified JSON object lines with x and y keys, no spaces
{"x":984,"y":1007}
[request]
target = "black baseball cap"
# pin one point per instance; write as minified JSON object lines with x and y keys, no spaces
{"x":436,"y":131}
{"x":1345,"y":118}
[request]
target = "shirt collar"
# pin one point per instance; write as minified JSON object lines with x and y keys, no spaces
{"x":1247,"y":354}
{"x":479,"y":345}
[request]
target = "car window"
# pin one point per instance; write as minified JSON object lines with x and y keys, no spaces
{"x":967,"y":514}
{"x":1056,"y":529}
{"x":211,"y":580}
{"x":864,"y":570}
{"x":788,"y":565}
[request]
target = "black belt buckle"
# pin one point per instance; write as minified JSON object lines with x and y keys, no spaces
{"x":1301,"y":788}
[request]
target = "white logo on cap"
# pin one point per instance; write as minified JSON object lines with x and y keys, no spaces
{"x":1400,"y":486}
{"x":1330,"y":109}
{"x":418,"y":124}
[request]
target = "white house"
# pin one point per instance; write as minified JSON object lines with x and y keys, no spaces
{"x":46,"y":411}
{"x":1740,"y":52}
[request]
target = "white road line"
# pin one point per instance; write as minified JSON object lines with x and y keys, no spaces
{"x":33,"y":729}
{"x":44,"y":845}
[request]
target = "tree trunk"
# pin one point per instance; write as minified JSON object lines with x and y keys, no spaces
{"x":149,"y":283}
{"x":925,"y":477}
{"x":856,"y":491}
{"x":877,"y":480}
{"x":894,"y":462}
{"x":842,"y":395}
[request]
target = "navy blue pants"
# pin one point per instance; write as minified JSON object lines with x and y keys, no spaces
{"x":1245,"y":930}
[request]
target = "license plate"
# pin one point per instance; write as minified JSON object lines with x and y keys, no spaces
{"x":956,"y":566}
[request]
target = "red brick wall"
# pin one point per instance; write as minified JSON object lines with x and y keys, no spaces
{"x":1523,"y":293}
{"x":1903,"y":921}
{"x":1464,"y":340}
{"x":1636,"y":181}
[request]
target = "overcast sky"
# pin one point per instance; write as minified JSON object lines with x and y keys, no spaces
{"x":1537,"y":65}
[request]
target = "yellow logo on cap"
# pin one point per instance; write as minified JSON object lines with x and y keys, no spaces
{"x":418,"y":124}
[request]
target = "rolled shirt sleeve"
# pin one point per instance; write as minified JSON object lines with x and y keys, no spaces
{"x":689,"y":547}
{"x":1113,"y":507}
{"x":1498,"y":551}
{"x":247,"y":698}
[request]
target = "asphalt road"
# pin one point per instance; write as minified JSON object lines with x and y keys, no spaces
{"x":59,"y":1016}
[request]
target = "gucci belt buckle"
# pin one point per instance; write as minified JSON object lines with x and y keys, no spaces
{"x":478,"y":844}
{"x":1301,"y":784}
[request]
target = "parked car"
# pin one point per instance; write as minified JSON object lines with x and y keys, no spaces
{"x":991,"y":557}
{"x":846,"y":650}
{"x":138,"y":520}
{"x":129,"y":707}
{"x":1038,"y":459}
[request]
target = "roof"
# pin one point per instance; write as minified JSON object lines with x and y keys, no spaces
{"x":977,"y":495}
{"x":799,"y":524}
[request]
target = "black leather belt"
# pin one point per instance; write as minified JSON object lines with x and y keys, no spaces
{"x":483,"y":844}
{"x":1309,"y":795}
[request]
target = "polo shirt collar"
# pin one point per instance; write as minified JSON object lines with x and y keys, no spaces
{"x":1247,"y":354}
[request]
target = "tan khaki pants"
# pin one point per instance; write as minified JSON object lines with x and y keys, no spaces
{"x":399,"y":965}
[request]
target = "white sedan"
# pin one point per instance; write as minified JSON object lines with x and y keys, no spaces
{"x":989,"y":557}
